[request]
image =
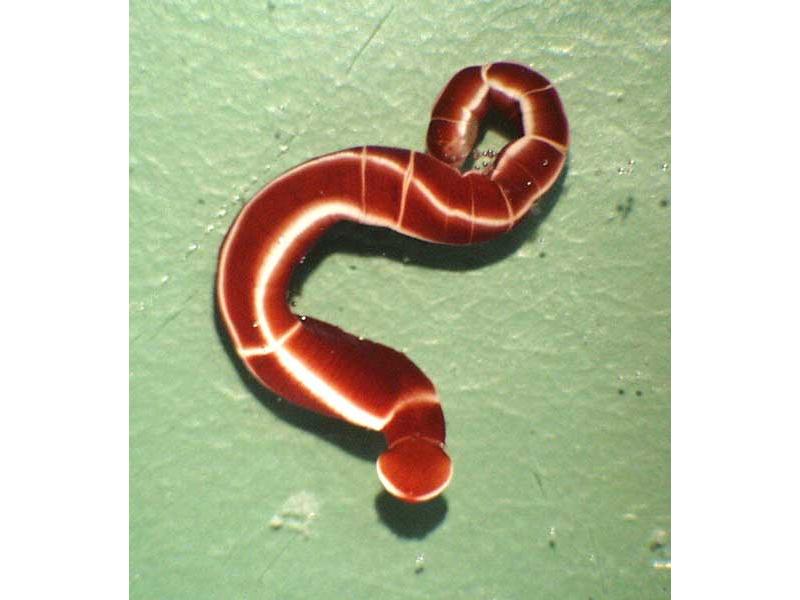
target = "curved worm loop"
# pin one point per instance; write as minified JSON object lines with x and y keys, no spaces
{"x":324,"y":369}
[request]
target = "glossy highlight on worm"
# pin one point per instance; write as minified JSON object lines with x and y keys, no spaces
{"x":324,"y":369}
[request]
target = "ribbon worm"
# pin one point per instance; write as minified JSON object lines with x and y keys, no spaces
{"x":322,"y":368}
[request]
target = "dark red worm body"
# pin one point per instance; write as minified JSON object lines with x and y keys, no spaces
{"x":322,"y":368}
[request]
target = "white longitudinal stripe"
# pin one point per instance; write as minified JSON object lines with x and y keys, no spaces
{"x":237,"y":224}
{"x":549,"y":86}
{"x":407,"y":177}
{"x":434,"y":200}
{"x":320,"y":389}
{"x":269,"y":348}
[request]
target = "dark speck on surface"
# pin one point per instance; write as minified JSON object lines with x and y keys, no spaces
{"x":625,"y":208}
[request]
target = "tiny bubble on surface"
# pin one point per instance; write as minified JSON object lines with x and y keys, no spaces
{"x":419,"y":563}
{"x":658,"y":539}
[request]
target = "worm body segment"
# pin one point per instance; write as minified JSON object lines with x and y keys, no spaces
{"x":324,"y":369}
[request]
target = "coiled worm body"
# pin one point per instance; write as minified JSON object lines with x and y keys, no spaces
{"x":322,"y":368}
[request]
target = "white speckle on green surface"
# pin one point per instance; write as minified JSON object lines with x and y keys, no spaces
{"x":419,"y":563}
{"x":658,"y":539}
{"x":551,"y":537}
{"x":297,"y":513}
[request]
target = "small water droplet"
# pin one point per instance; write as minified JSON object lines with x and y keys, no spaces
{"x":255,"y":324}
{"x":193,"y":247}
{"x":164,"y":279}
{"x":419,"y":563}
{"x":209,"y":228}
{"x":545,"y":162}
{"x":658,"y":539}
{"x":551,"y":537}
{"x":302,"y":317}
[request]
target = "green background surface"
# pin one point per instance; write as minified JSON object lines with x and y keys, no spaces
{"x":549,"y":347}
